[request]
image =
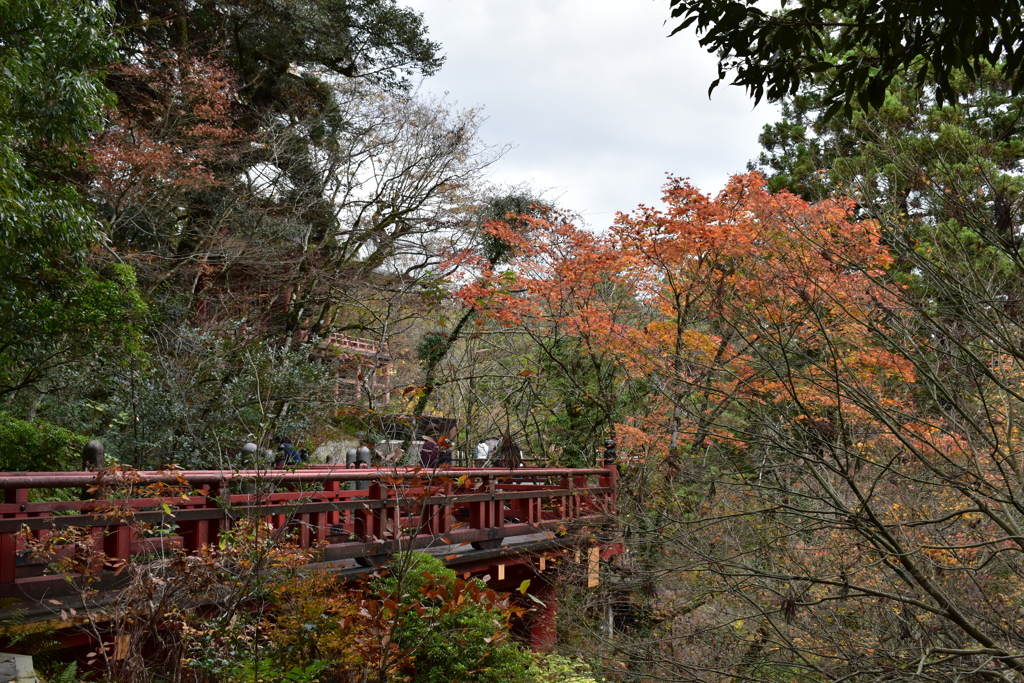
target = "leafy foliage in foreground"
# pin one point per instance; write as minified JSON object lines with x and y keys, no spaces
{"x":250,"y":609}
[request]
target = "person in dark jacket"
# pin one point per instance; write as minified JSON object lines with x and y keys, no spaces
{"x":429,"y":453}
{"x":287,"y":454}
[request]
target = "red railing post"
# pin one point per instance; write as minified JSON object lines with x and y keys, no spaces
{"x":566,"y":498}
{"x":8,"y":557}
{"x":478,"y":509}
{"x":9,"y":541}
{"x":304,"y":530}
{"x":117,"y":543}
{"x":580,"y":495}
{"x":485,"y":515}
{"x":371,"y":523}
{"x":322,"y":521}
{"x":332,"y":488}
{"x":222,"y":498}
{"x":441,"y":515}
{"x":610,"y":479}
{"x":195,"y":534}
{"x":497,"y":508}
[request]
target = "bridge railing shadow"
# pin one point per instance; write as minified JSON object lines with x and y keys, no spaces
{"x":364,"y":515}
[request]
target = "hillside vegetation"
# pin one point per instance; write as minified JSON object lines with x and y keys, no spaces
{"x":229,"y":221}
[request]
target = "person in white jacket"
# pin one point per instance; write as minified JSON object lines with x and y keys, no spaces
{"x":485,"y":451}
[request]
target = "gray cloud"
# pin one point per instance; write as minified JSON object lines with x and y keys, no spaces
{"x":597,"y":101}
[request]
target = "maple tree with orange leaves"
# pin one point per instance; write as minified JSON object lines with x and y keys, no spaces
{"x":810,"y":497}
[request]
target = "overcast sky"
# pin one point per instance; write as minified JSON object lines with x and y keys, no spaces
{"x":597,"y":101}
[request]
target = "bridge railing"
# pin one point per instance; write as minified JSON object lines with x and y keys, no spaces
{"x":362,"y":514}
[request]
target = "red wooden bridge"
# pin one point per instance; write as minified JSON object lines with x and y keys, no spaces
{"x":505,"y":524}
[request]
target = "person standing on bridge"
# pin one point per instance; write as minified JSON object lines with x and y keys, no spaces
{"x":429,"y":452}
{"x":444,"y":451}
{"x":486,"y":450}
{"x":287,"y":454}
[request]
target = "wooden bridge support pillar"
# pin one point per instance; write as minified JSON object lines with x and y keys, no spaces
{"x":543,"y":617}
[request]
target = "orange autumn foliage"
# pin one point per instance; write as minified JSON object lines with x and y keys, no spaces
{"x":695,"y":296}
{"x":854,"y":512}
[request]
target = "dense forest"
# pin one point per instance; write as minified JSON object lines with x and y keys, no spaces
{"x":813,"y":377}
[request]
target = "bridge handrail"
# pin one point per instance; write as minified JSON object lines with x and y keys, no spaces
{"x":52,"y":480}
{"x":384,"y":509}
